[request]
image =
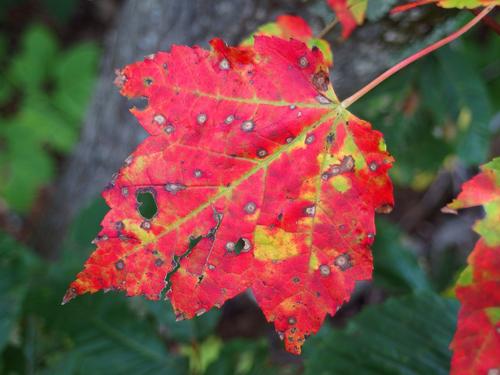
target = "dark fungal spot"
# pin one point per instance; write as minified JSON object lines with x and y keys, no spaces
{"x":169,"y":129}
{"x":324,"y":270}
{"x":321,"y":80}
{"x":346,"y":165}
{"x":159,"y":119}
{"x":230,"y":246}
{"x":247,"y":126}
{"x":250,"y":207}
{"x":330,"y":138}
{"x":159,"y":262}
{"x":201,"y":118}
{"x":296,"y":280}
{"x":120,"y":265}
{"x":148,"y":81}
{"x":173,"y":187}
{"x":310,"y":211}
{"x":343,"y":262}
{"x":229,"y":119}
{"x":261,"y":153}
{"x":224,"y":64}
{"x":119,"y":226}
{"x":310,"y":139}
{"x":303,"y":62}
{"x":322,"y":99}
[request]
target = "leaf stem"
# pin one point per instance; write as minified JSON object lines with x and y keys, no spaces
{"x":328,"y":28}
{"x":396,"y":68}
{"x":488,"y":21}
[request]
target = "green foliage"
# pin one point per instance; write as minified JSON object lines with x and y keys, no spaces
{"x":407,"y":335}
{"x":102,"y":335}
{"x":18,"y":267}
{"x":396,"y":267}
{"x":43,"y":97}
{"x":242,"y":357}
{"x":438,"y":109}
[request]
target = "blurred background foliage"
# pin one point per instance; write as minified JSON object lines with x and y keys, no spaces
{"x":440,"y":118}
{"x":44,"y":92}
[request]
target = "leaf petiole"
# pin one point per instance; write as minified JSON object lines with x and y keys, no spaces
{"x":423,"y":52}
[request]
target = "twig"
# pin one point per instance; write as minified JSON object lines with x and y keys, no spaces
{"x":328,"y":28}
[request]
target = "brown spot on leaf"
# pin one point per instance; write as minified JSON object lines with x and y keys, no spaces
{"x":321,"y":80}
{"x":159,"y":262}
{"x":343,"y":262}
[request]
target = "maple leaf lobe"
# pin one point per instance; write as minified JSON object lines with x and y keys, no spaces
{"x":251,"y":154}
{"x":476,"y":344}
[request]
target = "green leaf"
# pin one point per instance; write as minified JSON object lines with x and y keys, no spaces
{"x":437,"y":108}
{"x":196,"y":329}
{"x":17,"y":268}
{"x":468,"y":96}
{"x":108,"y":338}
{"x":242,"y":357}
{"x":74,"y":76}
{"x":31,"y":64}
{"x":396,"y":267}
{"x":403,"y":336}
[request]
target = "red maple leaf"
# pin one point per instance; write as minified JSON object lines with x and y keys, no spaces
{"x":350,"y":13}
{"x":293,"y":27}
{"x":261,"y":178}
{"x":476,"y":345}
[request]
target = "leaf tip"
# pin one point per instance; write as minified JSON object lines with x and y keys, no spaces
{"x":448,"y":210}
{"x":70,"y":294}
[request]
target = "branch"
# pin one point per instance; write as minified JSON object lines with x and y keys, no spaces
{"x":396,"y":68}
{"x":328,"y":28}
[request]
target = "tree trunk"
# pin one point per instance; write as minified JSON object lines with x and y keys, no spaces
{"x":110,"y":132}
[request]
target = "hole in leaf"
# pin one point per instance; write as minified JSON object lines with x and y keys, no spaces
{"x":239,"y":246}
{"x":193,"y":241}
{"x":140,"y":102}
{"x":147,"y":204}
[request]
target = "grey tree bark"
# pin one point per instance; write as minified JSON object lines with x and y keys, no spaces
{"x":110,"y":132}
